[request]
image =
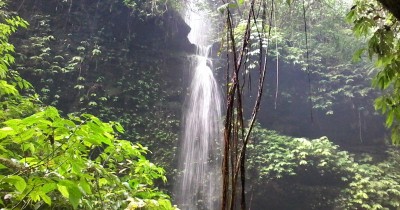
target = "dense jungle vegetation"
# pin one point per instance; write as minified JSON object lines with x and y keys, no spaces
{"x":89,"y":88}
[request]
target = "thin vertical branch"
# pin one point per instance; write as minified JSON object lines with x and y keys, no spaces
{"x":277,"y":62}
{"x":360,"y":125}
{"x":229,"y":115}
{"x":308,"y":63}
{"x":236,"y":137}
{"x":256,"y":107}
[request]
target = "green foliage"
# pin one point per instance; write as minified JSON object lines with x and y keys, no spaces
{"x":10,"y":81}
{"x":13,"y":104}
{"x":74,"y":162}
{"x":276,"y":156}
{"x":374,"y":186}
{"x":48,"y":161}
{"x":275,"y":159}
{"x":335,"y":79}
{"x":381,"y":29}
{"x":335,"y":85}
{"x":109,"y":71}
{"x":145,"y":8}
{"x":18,"y":106}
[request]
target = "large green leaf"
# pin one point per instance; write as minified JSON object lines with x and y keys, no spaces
{"x":70,"y":190}
{"x":18,"y":182}
{"x":85,"y":186}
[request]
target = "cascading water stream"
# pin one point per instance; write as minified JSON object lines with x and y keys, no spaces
{"x":198,"y":186}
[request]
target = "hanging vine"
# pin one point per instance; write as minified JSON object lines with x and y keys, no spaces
{"x":258,"y":23}
{"x":236,"y":133}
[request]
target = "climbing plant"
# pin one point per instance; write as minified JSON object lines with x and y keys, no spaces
{"x":236,"y":137}
{"x":335,"y":79}
{"x":49,"y":161}
{"x":253,"y":37}
{"x":109,"y":69}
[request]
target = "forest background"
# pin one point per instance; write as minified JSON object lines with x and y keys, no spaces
{"x":125,"y":62}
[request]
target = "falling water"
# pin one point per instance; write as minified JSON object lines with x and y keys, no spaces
{"x":199,"y":184}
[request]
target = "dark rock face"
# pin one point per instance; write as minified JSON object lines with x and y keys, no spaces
{"x":104,"y":58}
{"x":393,"y":6}
{"x":92,"y":39}
{"x":89,"y":39}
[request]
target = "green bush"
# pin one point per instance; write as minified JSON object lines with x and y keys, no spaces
{"x":374,"y":186}
{"x":317,"y":174}
{"x":51,"y":161}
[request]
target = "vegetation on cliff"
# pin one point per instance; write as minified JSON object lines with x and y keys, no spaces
{"x":84,"y":75}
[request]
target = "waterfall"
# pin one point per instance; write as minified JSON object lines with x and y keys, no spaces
{"x":199,"y":185}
